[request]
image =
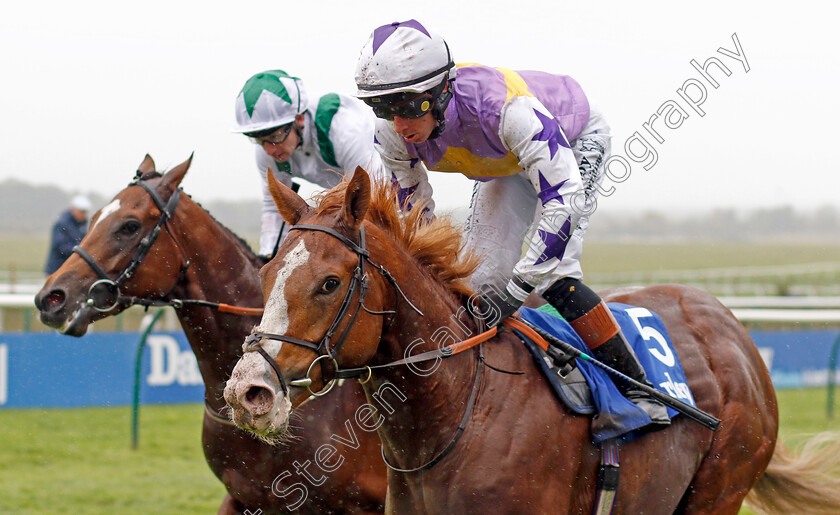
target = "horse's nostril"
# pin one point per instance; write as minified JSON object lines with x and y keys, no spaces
{"x":258,"y":400}
{"x":54,"y":300}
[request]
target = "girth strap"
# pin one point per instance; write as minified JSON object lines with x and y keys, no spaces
{"x":216,"y":416}
{"x":458,"y":432}
{"x":608,"y":474}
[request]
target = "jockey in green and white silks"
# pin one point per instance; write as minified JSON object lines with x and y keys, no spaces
{"x":319,"y":138}
{"x":536,"y":148}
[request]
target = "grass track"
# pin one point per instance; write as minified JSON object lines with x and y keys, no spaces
{"x":80,"y":461}
{"x":602,"y":257}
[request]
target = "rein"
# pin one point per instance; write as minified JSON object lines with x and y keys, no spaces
{"x":179,"y":303}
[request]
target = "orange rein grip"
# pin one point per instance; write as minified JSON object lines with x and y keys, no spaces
{"x":469,"y":343}
{"x":227,"y":308}
{"x":596,"y":326}
{"x":527,"y":331}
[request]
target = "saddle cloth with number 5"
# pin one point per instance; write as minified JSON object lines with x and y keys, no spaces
{"x":615,"y":416}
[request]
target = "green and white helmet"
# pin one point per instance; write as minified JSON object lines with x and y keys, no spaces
{"x":269,"y":99}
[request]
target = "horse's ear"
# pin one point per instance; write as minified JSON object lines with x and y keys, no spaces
{"x":290,"y":205}
{"x":172,"y":179}
{"x":357,"y":198}
{"x":148,"y":165}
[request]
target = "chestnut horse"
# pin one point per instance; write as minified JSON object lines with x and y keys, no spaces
{"x":520,"y":450}
{"x":191,"y":261}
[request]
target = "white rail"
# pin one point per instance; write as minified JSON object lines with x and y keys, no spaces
{"x":772,"y":302}
{"x":746,"y":309}
{"x":17,"y":300}
{"x":701,"y":274}
{"x":812,"y":316}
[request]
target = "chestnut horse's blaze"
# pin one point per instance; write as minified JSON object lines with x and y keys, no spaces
{"x":521,"y":451}
{"x":220,"y":268}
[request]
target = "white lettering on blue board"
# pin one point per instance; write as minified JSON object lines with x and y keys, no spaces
{"x":170,"y":364}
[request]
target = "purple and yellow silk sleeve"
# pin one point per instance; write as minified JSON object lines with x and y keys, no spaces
{"x":408,"y":173}
{"x":534,"y":136}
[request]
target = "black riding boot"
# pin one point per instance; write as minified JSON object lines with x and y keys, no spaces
{"x":593,"y":322}
{"x":618,"y":354}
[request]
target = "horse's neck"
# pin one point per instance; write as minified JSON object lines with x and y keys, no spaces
{"x":221,"y":270}
{"x":430,"y":403}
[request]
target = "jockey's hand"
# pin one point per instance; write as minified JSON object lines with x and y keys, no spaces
{"x":494,"y":306}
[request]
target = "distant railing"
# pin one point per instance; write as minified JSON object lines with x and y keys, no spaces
{"x":24,"y":304}
{"x":802,"y":279}
{"x":20,"y":286}
{"x":733,"y":272}
{"x":803,"y":293}
{"x":761,"y":309}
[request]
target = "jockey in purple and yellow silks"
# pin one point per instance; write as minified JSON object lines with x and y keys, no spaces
{"x":536,"y":148}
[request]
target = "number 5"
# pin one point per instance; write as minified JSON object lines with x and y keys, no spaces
{"x":648,"y":333}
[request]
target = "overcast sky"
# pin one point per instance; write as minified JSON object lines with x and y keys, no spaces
{"x":89,"y":87}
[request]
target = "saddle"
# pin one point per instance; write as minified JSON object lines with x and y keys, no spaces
{"x":588,"y":390}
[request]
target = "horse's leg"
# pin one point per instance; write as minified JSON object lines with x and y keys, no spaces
{"x":743,"y":444}
{"x":730,"y":469}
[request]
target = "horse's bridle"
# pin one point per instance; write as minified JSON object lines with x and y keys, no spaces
{"x":104,"y":294}
{"x":322,"y":348}
{"x":359,"y":280}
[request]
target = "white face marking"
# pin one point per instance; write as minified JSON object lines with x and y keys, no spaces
{"x":107,"y":210}
{"x":276,"y":315}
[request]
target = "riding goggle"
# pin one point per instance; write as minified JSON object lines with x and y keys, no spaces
{"x":275,"y":138}
{"x":404,"y":105}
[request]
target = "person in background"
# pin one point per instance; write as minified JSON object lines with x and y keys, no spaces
{"x":536,"y":148}
{"x":67,"y":232}
{"x":319,"y":138}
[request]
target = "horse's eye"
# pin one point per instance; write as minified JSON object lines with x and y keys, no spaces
{"x":130,"y":228}
{"x":329,"y":285}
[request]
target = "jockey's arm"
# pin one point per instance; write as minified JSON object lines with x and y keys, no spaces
{"x":534,"y":136}
{"x":408,"y":174}
{"x":351,"y":132}
{"x":271,"y":222}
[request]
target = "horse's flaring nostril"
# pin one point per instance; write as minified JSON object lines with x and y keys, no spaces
{"x":54,"y":300}
{"x":258,"y":400}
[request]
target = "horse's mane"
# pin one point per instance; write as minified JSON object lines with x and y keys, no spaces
{"x":437,"y":245}
{"x":244,"y":244}
{"x":248,"y":252}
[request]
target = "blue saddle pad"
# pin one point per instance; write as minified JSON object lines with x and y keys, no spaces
{"x":616,"y":416}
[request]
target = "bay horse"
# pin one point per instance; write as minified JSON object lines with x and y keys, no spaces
{"x":520,"y":450}
{"x":190,"y":261}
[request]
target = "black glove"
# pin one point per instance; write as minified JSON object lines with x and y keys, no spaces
{"x":494,"y":306}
